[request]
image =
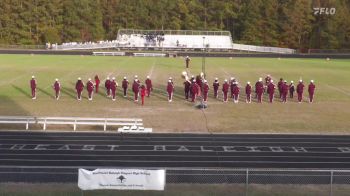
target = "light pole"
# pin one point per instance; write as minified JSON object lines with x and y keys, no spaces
{"x":203,"y":105}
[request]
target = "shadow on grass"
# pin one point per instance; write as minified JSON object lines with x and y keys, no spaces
{"x":46,"y":93}
{"x":68,"y":92}
{"x":22,"y":91}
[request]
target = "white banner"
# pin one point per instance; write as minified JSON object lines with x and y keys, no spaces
{"x":125,"y":179}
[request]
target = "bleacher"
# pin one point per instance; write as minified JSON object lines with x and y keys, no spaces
{"x":174,"y":39}
{"x":171,"y":40}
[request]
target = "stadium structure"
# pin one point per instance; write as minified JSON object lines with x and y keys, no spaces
{"x":172,"y":40}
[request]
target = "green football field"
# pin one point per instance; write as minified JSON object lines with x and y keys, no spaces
{"x":329,"y":114}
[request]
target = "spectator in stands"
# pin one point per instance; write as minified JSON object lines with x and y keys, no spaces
{"x":33,"y":87}
{"x":57,"y":87}
{"x":97,"y":83}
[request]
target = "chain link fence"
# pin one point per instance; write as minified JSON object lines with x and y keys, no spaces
{"x":214,"y":181}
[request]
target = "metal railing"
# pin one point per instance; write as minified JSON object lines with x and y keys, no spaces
{"x":74,"y":121}
{"x":173,"y":32}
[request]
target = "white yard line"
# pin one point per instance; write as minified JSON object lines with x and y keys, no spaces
{"x":338,"y":89}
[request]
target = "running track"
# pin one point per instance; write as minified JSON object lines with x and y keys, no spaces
{"x":29,"y":156}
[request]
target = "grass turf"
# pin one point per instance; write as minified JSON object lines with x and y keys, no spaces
{"x":329,"y":114}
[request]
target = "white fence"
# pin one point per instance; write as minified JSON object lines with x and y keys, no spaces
{"x":108,"y":53}
{"x":74,"y":121}
{"x":266,"y":49}
{"x":150,"y":54}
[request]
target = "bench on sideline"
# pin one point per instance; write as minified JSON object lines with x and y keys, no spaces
{"x":44,"y":121}
{"x":108,"y":53}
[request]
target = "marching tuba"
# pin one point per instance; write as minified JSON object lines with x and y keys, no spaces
{"x":184,"y":75}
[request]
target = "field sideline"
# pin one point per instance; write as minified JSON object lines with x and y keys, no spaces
{"x":329,"y":114}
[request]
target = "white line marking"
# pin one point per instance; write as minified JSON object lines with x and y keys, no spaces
{"x":338,"y":89}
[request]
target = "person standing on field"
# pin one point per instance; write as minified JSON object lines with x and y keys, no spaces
{"x":90,"y":89}
{"x":187,"y":86}
{"x":225,"y":88}
{"x":236,"y":90}
{"x":149,"y":86}
{"x":216,"y":86}
{"x":259,"y":89}
{"x":113,"y":87}
{"x":170,"y":90}
{"x":33,"y":87}
{"x":271,"y":90}
{"x":311,"y":90}
{"x":187,"y":60}
{"x":108,"y":87}
{"x":125,"y":85}
{"x":136,"y":89}
{"x":194,"y":90}
{"x":143,"y":94}
{"x":248,"y":93}
{"x":79,"y":87}
{"x":279,"y":85}
{"x":57,"y":88}
{"x":291,"y":89}
{"x":205,"y":90}
{"x":97,"y":83}
{"x":285,"y":89}
{"x":300,"y":91}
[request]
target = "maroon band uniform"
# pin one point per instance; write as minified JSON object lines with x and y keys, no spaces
{"x":97,"y":83}
{"x":90,"y":88}
{"x":149,"y":86}
{"x":33,"y":87}
{"x":57,"y":88}
{"x":271,"y":91}
{"x":205,"y":90}
{"x":285,"y":89}
{"x":125,"y":85}
{"x":311,"y":90}
{"x":113,"y":88}
{"x":108,"y":86}
{"x":79,"y":87}
{"x":259,"y":89}
{"x":135,"y":89}
{"x":225,"y":88}
{"x":300,"y":91}
{"x":248,"y":92}
{"x":187,"y":86}
{"x":216,"y":86}
{"x":170,"y":90}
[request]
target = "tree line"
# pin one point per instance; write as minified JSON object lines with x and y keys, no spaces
{"x":281,"y":23}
